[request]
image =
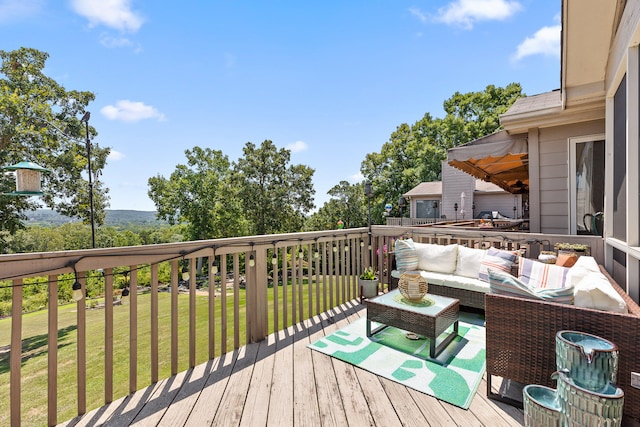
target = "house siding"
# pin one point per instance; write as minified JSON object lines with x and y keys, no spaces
{"x":454,"y":183}
{"x":553,"y":164}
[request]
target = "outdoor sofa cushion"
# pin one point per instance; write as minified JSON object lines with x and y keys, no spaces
{"x":592,"y":288}
{"x":469,"y":261}
{"x":437,"y":258}
{"x":406,"y":255}
{"x":504,"y":283}
{"x":451,"y":280}
{"x":496,"y":259}
{"x":542,"y":275}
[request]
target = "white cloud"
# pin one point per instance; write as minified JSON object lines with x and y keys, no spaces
{"x":466,"y":12}
{"x":297,"y":146}
{"x":108,"y":41}
{"x":130,"y":111}
{"x":546,"y":41}
{"x":418,"y":14}
{"x":11,"y":10}
{"x":115,"y":155}
{"x":115,"y":14}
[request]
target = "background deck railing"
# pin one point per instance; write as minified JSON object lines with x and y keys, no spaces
{"x":245,"y":288}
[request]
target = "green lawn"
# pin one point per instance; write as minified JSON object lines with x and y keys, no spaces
{"x":34,"y":347}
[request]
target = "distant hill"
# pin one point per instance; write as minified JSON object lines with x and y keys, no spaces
{"x":114,"y":218}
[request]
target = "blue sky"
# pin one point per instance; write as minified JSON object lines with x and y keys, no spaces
{"x":328,"y":80}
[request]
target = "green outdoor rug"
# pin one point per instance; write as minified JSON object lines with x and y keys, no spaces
{"x":454,"y":376}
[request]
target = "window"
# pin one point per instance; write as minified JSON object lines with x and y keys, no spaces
{"x":427,"y":208}
{"x":587,"y":185}
{"x":620,"y":162}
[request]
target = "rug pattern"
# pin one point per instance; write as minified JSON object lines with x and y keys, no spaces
{"x":454,"y":376}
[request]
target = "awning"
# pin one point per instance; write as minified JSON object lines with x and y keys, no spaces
{"x":496,"y":158}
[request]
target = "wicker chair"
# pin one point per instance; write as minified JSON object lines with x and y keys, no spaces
{"x":521,"y":340}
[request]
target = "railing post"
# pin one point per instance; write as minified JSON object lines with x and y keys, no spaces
{"x":257,"y":299}
{"x":16,"y":351}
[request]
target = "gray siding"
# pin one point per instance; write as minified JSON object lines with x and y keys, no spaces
{"x":554,"y":173}
{"x":454,"y":183}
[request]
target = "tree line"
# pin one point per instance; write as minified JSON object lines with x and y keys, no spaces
{"x":208,"y":195}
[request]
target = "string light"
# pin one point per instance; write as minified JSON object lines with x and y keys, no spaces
{"x":252,"y":259}
{"x":77,"y":287}
{"x":274,"y":257}
{"x":214,"y":263}
{"x":185,"y":270}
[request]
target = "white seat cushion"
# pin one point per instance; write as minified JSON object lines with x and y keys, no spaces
{"x":469,"y":261}
{"x":437,"y":258}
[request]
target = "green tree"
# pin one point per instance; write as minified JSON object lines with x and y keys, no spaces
{"x":348,"y":203}
{"x":275,"y":194}
{"x":414,"y":154}
{"x":40,"y":121}
{"x":200,"y":196}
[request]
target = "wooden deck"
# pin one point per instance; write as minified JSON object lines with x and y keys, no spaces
{"x":281,"y":382}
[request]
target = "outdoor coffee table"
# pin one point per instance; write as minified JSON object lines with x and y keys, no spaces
{"x":430,"y":318}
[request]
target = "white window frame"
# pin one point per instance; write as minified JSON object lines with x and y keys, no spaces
{"x":573,"y":142}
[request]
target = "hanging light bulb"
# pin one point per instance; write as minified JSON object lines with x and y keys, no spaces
{"x":300,"y":253}
{"x":214,"y":266}
{"x":346,"y":247}
{"x":361,"y":243}
{"x":185,"y":272}
{"x":252,"y":261}
{"x":77,"y":291}
{"x":316,"y":254}
{"x":125,"y":296}
{"x":274,"y":258}
{"x":335,"y":247}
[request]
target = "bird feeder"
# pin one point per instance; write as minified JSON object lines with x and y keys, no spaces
{"x":28,"y":179}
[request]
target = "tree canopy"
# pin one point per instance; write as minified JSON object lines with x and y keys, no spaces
{"x":40,"y":121}
{"x":414,"y":154}
{"x":275,"y":194}
{"x":200,"y":195}
{"x":261,"y":193}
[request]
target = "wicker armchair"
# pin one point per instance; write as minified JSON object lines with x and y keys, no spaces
{"x":521,"y":340}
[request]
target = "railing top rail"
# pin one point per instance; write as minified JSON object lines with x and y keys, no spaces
{"x":14,"y":266}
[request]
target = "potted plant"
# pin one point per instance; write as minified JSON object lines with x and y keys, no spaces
{"x":368,"y":282}
{"x":577,"y":248}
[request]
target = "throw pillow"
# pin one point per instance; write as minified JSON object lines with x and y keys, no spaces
{"x":498,"y":260}
{"x":437,"y":258}
{"x":406,"y":255}
{"x":595,"y":291}
{"x":506,"y":284}
{"x":566,"y":260}
{"x":469,"y":261}
{"x":541,"y":275}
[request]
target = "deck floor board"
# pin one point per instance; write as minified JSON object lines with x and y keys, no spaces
{"x":281,"y":382}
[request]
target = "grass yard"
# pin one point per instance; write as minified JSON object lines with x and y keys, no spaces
{"x":34,"y":346}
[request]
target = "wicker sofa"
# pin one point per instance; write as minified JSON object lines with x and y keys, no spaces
{"x":450,"y":270}
{"x":520,"y":339}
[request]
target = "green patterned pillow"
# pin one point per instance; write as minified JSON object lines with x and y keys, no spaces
{"x":406,"y":255}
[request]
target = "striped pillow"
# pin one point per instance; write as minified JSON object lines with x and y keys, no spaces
{"x":406,"y":255}
{"x":505,"y":284}
{"x":497,"y":260}
{"x":541,"y":275}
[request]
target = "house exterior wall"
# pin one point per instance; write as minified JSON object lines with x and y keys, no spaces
{"x":549,"y":194}
{"x":454,"y":183}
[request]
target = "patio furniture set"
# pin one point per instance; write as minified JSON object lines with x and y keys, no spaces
{"x":521,"y":330}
